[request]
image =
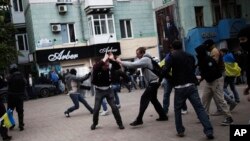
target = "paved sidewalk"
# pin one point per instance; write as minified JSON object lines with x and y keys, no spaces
{"x":45,"y":121}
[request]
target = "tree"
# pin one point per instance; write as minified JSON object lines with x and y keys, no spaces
{"x":8,"y":52}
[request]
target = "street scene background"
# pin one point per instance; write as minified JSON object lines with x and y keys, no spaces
{"x":44,"y":121}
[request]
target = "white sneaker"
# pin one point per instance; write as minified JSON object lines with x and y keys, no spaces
{"x":104,"y":113}
{"x":184,"y":112}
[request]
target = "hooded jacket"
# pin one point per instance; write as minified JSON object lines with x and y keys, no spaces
{"x":146,"y":65}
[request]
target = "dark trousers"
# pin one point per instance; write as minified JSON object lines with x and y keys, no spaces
{"x":76,"y":98}
{"x":3,"y":130}
{"x":150,"y":95}
{"x":190,"y":93}
{"x":109,"y":95}
{"x":16,"y":101}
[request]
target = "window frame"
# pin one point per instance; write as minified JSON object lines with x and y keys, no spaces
{"x":99,"y":24}
{"x":126,"y":29}
{"x":25,"y":42}
{"x":19,"y":5}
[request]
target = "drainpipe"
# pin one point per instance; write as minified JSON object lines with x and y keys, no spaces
{"x":181,"y":31}
{"x":81,"y":19}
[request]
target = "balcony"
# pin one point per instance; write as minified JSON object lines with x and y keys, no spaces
{"x":98,"y":6}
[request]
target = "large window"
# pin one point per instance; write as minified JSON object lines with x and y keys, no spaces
{"x":68,"y":33}
{"x":18,"y":5}
{"x":21,"y":42}
{"x":126,"y":28}
{"x":101,"y":24}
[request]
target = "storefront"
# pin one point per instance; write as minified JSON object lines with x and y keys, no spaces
{"x":80,"y":58}
{"x":224,"y":34}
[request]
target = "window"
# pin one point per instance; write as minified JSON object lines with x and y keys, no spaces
{"x":22,"y":42}
{"x":102,"y":24}
{"x":126,"y":29}
{"x":68,"y":33}
{"x":199,"y":16}
{"x":18,"y":5}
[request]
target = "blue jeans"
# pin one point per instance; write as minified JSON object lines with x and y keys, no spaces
{"x":109,"y":95}
{"x":116,"y":88}
{"x":190,"y":93}
{"x":230,"y":81}
{"x":75,"y":99}
{"x":167,"y":85}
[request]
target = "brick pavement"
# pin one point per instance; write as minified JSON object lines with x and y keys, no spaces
{"x":45,"y":121}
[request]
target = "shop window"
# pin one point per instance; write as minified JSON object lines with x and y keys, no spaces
{"x":68,"y":33}
{"x":18,"y":5}
{"x":21,"y":42}
{"x":126,"y":29}
{"x":199,"y":16}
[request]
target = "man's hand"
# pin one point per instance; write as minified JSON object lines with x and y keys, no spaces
{"x":105,"y":58}
{"x":111,"y":56}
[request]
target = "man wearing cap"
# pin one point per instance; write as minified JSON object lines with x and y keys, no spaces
{"x":16,"y":92}
{"x":213,"y":89}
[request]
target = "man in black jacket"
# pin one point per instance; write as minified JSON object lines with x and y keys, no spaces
{"x":101,"y":78}
{"x":184,"y":82}
{"x":16,"y":93}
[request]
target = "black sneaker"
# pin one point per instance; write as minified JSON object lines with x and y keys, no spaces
{"x":228,"y":121}
{"x":66,"y":113}
{"x":210,"y":136}
{"x":180,"y":134}
{"x":21,"y":128}
{"x":93,"y":126}
{"x":135,"y":123}
{"x":7,"y":138}
{"x":12,"y":127}
{"x":232,"y":106}
{"x":121,"y":127}
{"x":162,"y":119}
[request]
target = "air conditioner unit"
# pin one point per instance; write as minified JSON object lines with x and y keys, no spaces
{"x":55,"y":27}
{"x":62,"y":8}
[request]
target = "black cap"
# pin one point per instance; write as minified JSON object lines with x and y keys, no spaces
{"x":208,"y":43}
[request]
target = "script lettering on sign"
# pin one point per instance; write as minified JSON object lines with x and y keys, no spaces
{"x":107,"y":49}
{"x":58,"y":56}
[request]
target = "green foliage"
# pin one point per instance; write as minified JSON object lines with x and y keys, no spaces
{"x":8,"y":52}
{"x":7,"y":55}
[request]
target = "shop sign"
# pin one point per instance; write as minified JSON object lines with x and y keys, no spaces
{"x":59,"y":56}
{"x":208,"y":35}
{"x":107,"y":49}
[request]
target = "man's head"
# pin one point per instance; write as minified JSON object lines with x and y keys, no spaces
{"x":244,"y":38}
{"x":177,"y":45}
{"x":13,"y":68}
{"x":73,"y":71}
{"x":140,"y":52}
{"x":209,"y":44}
{"x":167,"y":18}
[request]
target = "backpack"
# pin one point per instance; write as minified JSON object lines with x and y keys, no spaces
{"x":17,"y":83}
{"x":157,"y":70}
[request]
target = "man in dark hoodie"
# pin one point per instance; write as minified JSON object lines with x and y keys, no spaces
{"x":244,"y":38}
{"x":16,"y":93}
{"x":210,"y":71}
{"x":102,"y":79}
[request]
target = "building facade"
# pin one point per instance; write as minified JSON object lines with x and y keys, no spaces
{"x":77,"y":32}
{"x":199,"y":20}
{"x":68,"y":34}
